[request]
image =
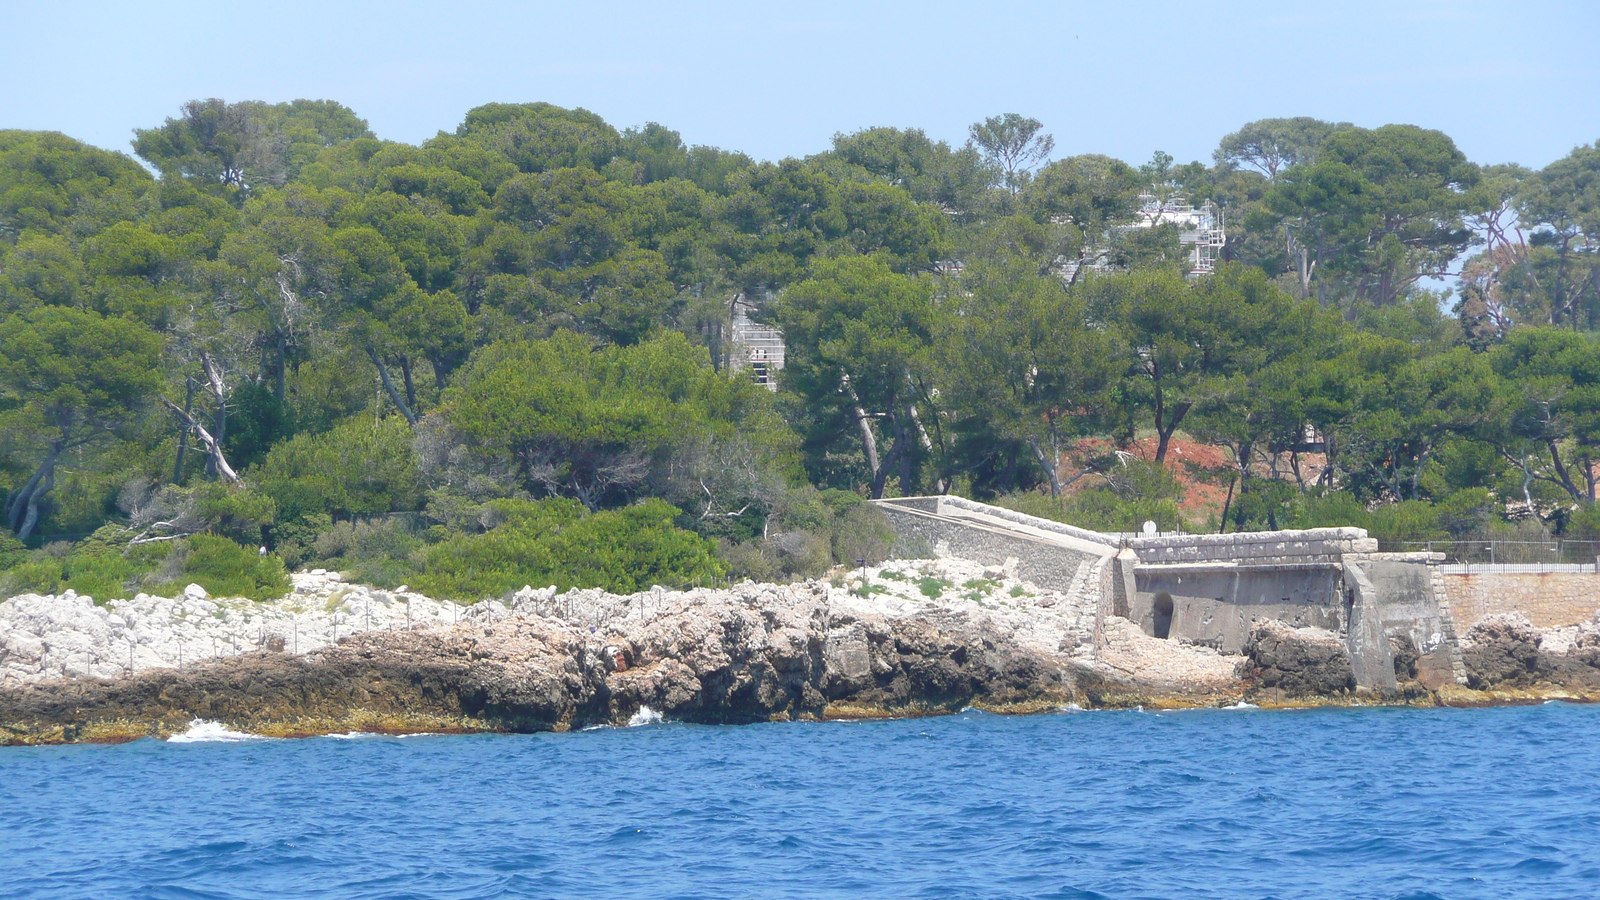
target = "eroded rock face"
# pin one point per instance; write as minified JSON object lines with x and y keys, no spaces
{"x":1501,"y":650}
{"x":752,"y":653}
{"x":1296,"y":661}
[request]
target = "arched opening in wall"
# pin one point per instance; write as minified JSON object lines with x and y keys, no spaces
{"x":1162,"y":626}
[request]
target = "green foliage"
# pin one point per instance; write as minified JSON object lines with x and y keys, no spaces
{"x":248,"y":144}
{"x":237,"y":512}
{"x":52,"y":184}
{"x":1455,"y":517}
{"x":359,"y":468}
{"x":257,"y":419}
{"x":37,"y":575}
{"x":379,"y":552}
{"x":821,"y":530}
{"x":103,"y":576}
{"x":1584,"y":524}
{"x":598,"y":423}
{"x":556,"y":542}
{"x":228,"y":569}
{"x":548,"y":303}
{"x":858,"y":334}
{"x":12,"y":551}
{"x":102,"y":566}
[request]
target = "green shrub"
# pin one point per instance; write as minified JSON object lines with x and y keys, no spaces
{"x":295,"y":540}
{"x":237,"y":512}
{"x":1584,"y":525}
{"x":361,"y":467}
{"x":1098,"y":509}
{"x":38,"y":575}
{"x":1460,"y":514}
{"x":850,"y":527}
{"x":227,"y":569}
{"x":555,"y":542}
{"x":102,"y":566}
{"x":378,"y":553}
{"x":103,"y":576}
{"x":1132,"y":493}
{"x":1336,"y":509}
{"x":12,"y":551}
{"x":810,"y":532}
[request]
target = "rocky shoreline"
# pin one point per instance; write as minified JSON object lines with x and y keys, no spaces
{"x":909,"y":638}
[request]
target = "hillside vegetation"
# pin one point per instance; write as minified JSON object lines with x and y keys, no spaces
{"x":270,"y":340}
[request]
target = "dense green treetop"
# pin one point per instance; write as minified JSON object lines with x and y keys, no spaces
{"x":387,"y":356}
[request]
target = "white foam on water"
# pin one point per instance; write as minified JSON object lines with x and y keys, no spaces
{"x":353,"y":736}
{"x":645,"y":716}
{"x":202,"y":731}
{"x":1242,"y":705}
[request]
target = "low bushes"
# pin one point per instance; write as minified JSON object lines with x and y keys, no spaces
{"x":555,"y":542}
{"x":227,"y":569}
{"x":106,"y":571}
{"x":810,"y":532}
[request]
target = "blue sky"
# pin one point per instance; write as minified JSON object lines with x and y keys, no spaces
{"x":1509,"y":81}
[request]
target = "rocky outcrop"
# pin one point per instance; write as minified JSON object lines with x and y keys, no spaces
{"x":909,"y":638}
{"x":1501,"y":650}
{"x":752,"y":653}
{"x":1507,"y":653}
{"x":1296,"y":662}
{"x":72,"y":635}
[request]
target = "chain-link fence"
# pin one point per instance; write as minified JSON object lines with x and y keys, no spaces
{"x":1552,"y":555}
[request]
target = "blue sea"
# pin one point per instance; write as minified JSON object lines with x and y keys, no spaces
{"x":1350,"y":803}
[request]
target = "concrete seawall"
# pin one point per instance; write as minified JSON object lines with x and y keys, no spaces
{"x":1212,"y":589}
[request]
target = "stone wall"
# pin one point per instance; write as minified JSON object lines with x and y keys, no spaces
{"x":1255,"y":547}
{"x":1210,"y":589}
{"x":1409,"y":606}
{"x":1052,"y":564}
{"x":949,"y":505}
{"x":1550,"y":600}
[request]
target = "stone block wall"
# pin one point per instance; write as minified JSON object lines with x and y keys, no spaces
{"x":1255,"y":547}
{"x":1048,"y":564}
{"x":1549,"y":600}
{"x":956,"y":505}
{"x":1409,"y":605}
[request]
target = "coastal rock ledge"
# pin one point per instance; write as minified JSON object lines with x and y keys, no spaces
{"x":909,"y":638}
{"x":752,"y":653}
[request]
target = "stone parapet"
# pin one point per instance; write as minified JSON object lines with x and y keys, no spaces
{"x":1265,"y":547}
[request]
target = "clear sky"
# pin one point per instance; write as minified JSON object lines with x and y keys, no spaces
{"x":1509,"y":81}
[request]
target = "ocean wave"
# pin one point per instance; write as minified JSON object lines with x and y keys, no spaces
{"x":203,"y":731}
{"x":645,"y":716}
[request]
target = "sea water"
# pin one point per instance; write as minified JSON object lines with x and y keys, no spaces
{"x":1239,"y":803}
